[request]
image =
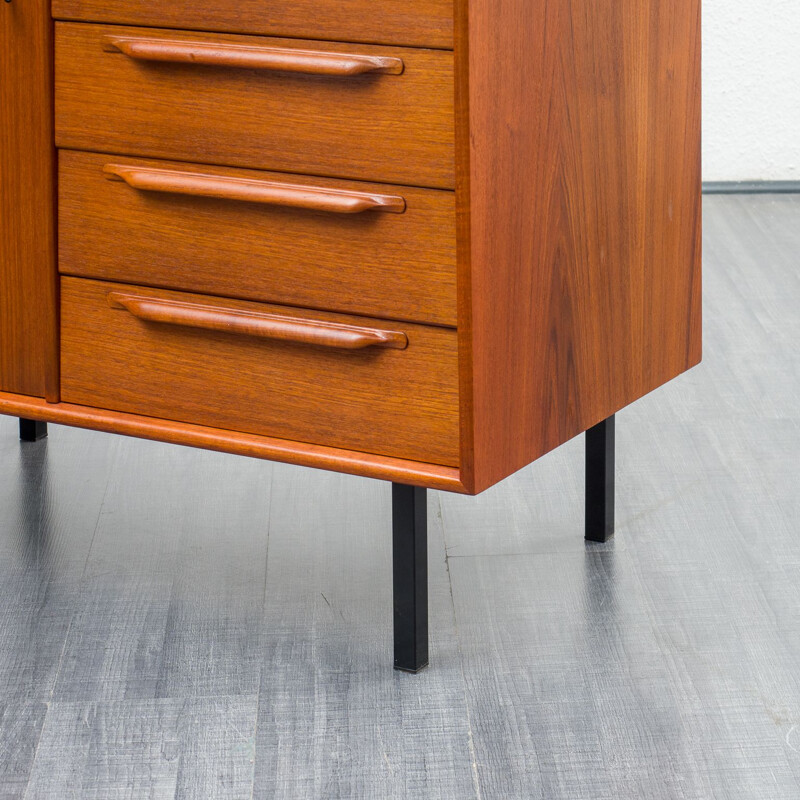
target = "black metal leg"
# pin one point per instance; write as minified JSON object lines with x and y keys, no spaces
{"x":410,"y":537}
{"x":600,"y":481}
{"x":31,"y":430}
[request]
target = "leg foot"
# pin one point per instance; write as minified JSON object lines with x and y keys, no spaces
{"x":600,"y":481}
{"x":410,"y":554}
{"x":31,"y":430}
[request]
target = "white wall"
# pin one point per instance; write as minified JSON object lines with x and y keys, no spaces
{"x":751,"y":90}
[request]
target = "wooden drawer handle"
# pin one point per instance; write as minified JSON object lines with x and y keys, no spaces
{"x":253,"y":323}
{"x":279,"y":59}
{"x":315,"y":198}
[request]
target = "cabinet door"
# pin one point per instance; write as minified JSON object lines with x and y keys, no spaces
{"x":28,"y":319}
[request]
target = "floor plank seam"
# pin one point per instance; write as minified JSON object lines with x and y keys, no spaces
{"x":470,"y":738}
{"x":36,"y":751}
{"x":81,"y":583}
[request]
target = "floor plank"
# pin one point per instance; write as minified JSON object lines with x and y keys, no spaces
{"x":50,"y":493}
{"x":663,"y":664}
{"x":20,"y":729}
{"x":179,"y":624}
{"x":568,"y":690}
{"x":187,"y":749}
{"x":172,"y":593}
{"x":335,"y":719}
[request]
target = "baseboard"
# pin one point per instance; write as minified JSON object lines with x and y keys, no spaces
{"x":751,"y":187}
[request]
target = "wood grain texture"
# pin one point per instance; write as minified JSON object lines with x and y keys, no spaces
{"x":251,"y":190}
{"x":414,"y":473}
{"x":260,"y":325}
{"x":393,"y":128}
{"x":28,"y":318}
{"x":396,"y":266}
{"x":127,"y":749}
{"x":50,"y":511}
{"x":568,"y":633}
{"x":577,"y":193}
{"x":142,"y":47}
{"x":581,"y":162}
{"x":20,"y":729}
{"x":332,"y":721}
{"x":711,"y":607}
{"x":401,"y":403}
{"x":662,"y":665}
{"x":170,"y":602}
{"x":173,"y":602}
{"x":423,"y":23}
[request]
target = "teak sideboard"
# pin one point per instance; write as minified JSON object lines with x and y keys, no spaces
{"x":418,"y":240}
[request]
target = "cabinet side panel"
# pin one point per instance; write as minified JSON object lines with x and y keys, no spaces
{"x":584,"y":161}
{"x":466,"y":383}
{"x":28,"y":337}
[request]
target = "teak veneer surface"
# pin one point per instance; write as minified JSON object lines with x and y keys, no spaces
{"x":579,"y":216}
{"x":377,"y":127}
{"x":569,"y":129}
{"x":396,"y":402}
{"x":413,"y":473}
{"x":28,"y":316}
{"x":398,"y":266}
{"x":423,"y":23}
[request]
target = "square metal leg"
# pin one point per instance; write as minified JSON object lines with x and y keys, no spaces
{"x":600,"y":481}
{"x":31,"y":430}
{"x":410,"y":556}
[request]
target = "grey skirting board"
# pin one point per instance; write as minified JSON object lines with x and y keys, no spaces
{"x":751,"y":187}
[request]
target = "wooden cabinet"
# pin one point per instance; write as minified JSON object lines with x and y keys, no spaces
{"x":377,"y":249}
{"x":349,"y":382}
{"x":28,"y":278}
{"x":426,"y":241}
{"x":424,"y":23}
{"x":320,"y":108}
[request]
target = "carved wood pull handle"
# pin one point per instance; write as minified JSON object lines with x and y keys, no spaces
{"x":253,"y":323}
{"x":251,"y":190}
{"x":283,"y":59}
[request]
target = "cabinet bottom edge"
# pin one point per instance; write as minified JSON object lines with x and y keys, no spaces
{"x":431,"y":476}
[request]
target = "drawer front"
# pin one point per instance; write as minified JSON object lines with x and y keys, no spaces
{"x":422,"y":23}
{"x":321,"y":108}
{"x":373,"y":249}
{"x":342,"y":381}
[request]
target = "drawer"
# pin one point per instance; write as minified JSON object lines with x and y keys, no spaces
{"x":320,"y":108}
{"x":342,"y":381}
{"x":424,"y":23}
{"x":373,"y":249}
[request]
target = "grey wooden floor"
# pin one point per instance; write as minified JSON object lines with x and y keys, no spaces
{"x":183,"y":624}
